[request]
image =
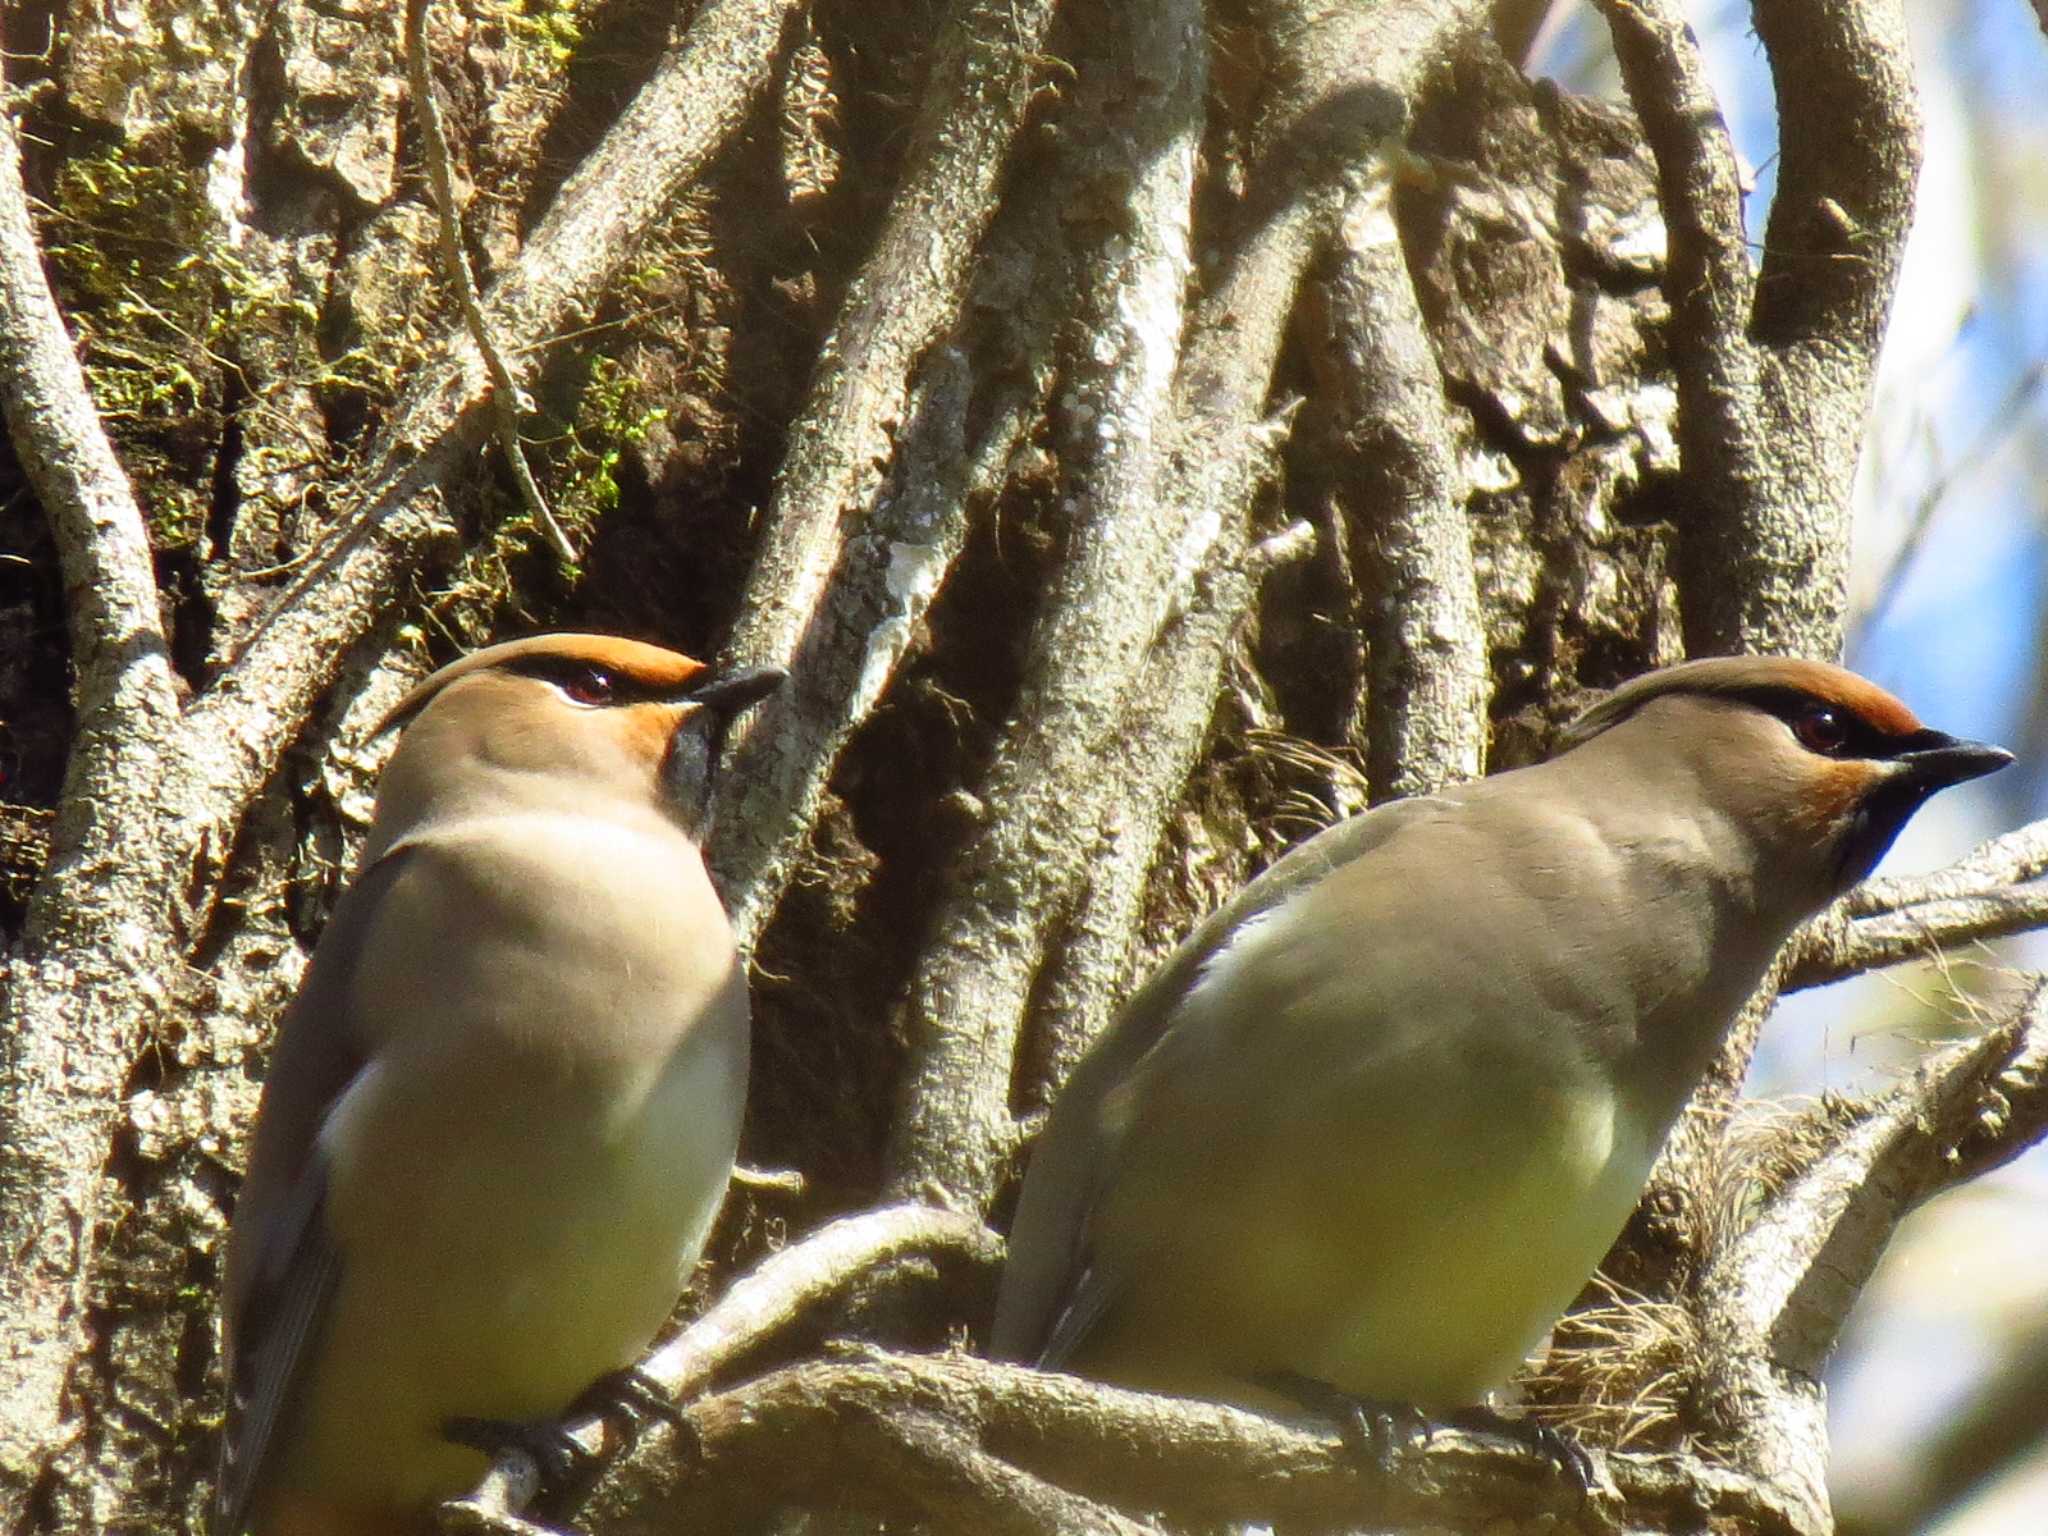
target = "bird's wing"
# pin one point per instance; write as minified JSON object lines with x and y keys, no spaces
{"x":282,"y":1264}
{"x":1051,"y":1296}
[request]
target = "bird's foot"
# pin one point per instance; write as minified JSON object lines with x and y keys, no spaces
{"x":627,"y":1398}
{"x":1374,"y":1430}
{"x":1563,"y":1452}
{"x":547,"y":1443}
{"x":631,"y":1398}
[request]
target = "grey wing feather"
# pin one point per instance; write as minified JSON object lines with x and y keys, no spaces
{"x":1089,"y":1302}
{"x":282,"y":1266}
{"x":1050,"y":1295}
{"x":268,"y":1372}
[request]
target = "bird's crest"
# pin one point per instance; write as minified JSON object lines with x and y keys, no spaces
{"x":1737,"y":677}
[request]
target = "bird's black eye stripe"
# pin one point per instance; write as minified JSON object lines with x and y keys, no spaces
{"x":1829,"y":728}
{"x":588,"y":682}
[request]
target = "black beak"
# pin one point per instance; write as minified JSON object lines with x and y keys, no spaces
{"x":1936,"y":761}
{"x":735,"y":691}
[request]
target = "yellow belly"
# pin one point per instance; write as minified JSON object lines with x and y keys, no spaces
{"x":1396,"y":1249}
{"x":501,"y":1282}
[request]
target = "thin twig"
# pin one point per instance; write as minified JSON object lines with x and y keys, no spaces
{"x":695,"y":101}
{"x":508,"y":399}
{"x":1982,"y":895}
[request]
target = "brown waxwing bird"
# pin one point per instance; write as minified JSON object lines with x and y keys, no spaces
{"x":1376,"y":1121}
{"x":503,"y":1107}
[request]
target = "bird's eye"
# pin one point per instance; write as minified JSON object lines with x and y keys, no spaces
{"x":1821,"y":729}
{"x":588,"y":685}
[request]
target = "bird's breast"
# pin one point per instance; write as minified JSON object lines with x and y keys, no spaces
{"x":519,"y":1181}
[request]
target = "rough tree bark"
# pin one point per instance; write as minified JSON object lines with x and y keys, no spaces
{"x":1147,"y":429}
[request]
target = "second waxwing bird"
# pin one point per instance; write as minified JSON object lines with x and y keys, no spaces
{"x":503,"y":1107}
{"x":1376,"y":1121}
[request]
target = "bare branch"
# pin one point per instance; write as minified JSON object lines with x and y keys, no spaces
{"x":1849,"y":157}
{"x":1707,"y":256}
{"x":123,"y":690}
{"x":2003,"y":422}
{"x":822,"y":1429}
{"x":952,"y":1481}
{"x":904,"y":300}
{"x":887,"y":575}
{"x":841,"y":617}
{"x":1775,"y":375}
{"x":2008,"y":859}
{"x":117,"y":640}
{"x":1401,"y":492}
{"x":1164,"y":732}
{"x":1165,"y":494}
{"x":968,"y":994}
{"x":507,"y":399}
{"x":1794,"y":1271}
{"x":787,"y":1289}
{"x":1774,"y":1297}
{"x":1831,"y":952}
{"x":62,"y":1055}
{"x":1909,"y":917}
{"x":797,"y":1282}
{"x":682,"y":117}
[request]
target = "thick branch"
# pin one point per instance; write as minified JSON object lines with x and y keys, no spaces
{"x":1795,"y":1270}
{"x":1401,"y":493}
{"x":1849,"y":158}
{"x":662,"y":142}
{"x":1774,"y":1298}
{"x":968,"y":995}
{"x":123,"y":691}
{"x":1775,"y":376}
{"x":91,"y":920}
{"x":121,"y":676}
{"x":787,"y":1290}
{"x":1162,"y":484}
{"x":819,"y":1432}
{"x":842,"y":645}
{"x":1707,"y":256}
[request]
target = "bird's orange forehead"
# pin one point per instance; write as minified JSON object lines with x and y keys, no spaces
{"x":652,"y":665}
{"x":655,"y":668}
{"x":1858,"y":695}
{"x":1740,"y":677}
